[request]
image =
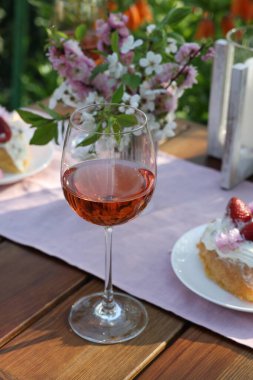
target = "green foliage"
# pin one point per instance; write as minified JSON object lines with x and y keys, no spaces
{"x":46,"y":129}
{"x":39,"y":81}
{"x":98,"y":70}
{"x":91,"y":139}
{"x":118,"y":94}
{"x":80,"y":32}
{"x":193,"y":105}
{"x":175,"y":15}
{"x":115,"y":42}
{"x":131,"y":80}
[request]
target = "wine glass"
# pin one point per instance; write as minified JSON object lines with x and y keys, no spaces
{"x":108,"y":175}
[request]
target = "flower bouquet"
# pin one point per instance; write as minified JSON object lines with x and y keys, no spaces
{"x":149,"y":70}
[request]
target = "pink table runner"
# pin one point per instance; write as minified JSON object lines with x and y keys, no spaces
{"x":33,"y":212}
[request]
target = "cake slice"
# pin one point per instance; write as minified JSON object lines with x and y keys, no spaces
{"x":226,"y":250}
{"x":14,"y":146}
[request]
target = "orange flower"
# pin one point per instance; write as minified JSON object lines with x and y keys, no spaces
{"x":205,"y":29}
{"x":243,"y":9}
{"x":227,"y":23}
{"x":112,"y":6}
{"x":144,"y":11}
{"x":99,"y":60}
{"x":134,"y":19}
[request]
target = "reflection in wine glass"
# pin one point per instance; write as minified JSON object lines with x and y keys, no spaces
{"x":108,"y":175}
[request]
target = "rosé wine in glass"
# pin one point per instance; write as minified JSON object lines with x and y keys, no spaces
{"x":108,"y":176}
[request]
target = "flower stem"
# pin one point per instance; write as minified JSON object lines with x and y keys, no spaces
{"x":191,"y":57}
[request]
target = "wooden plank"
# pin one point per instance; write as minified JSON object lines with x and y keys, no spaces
{"x":187,"y":145}
{"x":201,"y":354}
{"x":191,"y":144}
{"x":30,"y":283}
{"x":50,"y":350}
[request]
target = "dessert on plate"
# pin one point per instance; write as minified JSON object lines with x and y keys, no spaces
{"x":226,"y":249}
{"x":14,"y":144}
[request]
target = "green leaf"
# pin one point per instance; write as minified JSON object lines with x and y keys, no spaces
{"x":158,"y":35}
{"x":114,"y":125}
{"x":91,"y":139}
{"x":126,"y":120}
{"x":115,"y":42}
{"x":80,"y":32}
{"x":100,"y":52}
{"x":56,"y":34}
{"x":118,"y":94}
{"x":34,"y":119}
{"x":45,"y":134}
{"x":98,"y":70}
{"x":175,"y":16}
{"x":116,"y":129}
{"x":180,"y":39}
{"x":131,"y":80}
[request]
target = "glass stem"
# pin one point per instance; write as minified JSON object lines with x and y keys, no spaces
{"x":108,"y":301}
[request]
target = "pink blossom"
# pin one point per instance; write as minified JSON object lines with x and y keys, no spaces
{"x":186,"y":51}
{"x":209,"y":54}
{"x":103,"y":85}
{"x":189,"y":73}
{"x":57,"y":58}
{"x":127,"y":58}
{"x":80,"y":89}
{"x":70,"y":62}
{"x":72,"y":49}
{"x":169,"y":70}
{"x":229,"y":241}
{"x":103,"y":33}
{"x":117,"y":21}
{"x":166,"y":102}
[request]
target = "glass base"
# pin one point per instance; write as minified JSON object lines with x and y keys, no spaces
{"x":127,"y":319}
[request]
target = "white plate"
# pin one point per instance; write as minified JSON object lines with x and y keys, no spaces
{"x":188,"y":268}
{"x":40,"y":158}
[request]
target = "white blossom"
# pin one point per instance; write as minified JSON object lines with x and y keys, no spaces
{"x":92,"y":98}
{"x":149,"y":105}
{"x":126,"y":97}
{"x":170,"y":126}
{"x":116,"y":69}
{"x":153,"y":124}
{"x":88,"y":121}
{"x":62,"y":93}
{"x":151,"y":63}
{"x":144,"y":87}
{"x":172,"y":46}
{"x":130,"y":44}
{"x":150,"y":28}
{"x":133,"y":101}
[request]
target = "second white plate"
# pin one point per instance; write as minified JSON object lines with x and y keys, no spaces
{"x":188,"y":268}
{"x":41,"y":156}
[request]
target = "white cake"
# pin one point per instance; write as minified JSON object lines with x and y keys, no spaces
{"x":14,"y":153}
{"x":226,"y":250}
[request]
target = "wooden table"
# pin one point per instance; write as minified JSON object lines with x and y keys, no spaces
{"x":36,"y":293}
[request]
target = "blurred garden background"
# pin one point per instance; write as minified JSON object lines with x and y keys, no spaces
{"x":26,"y":75}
